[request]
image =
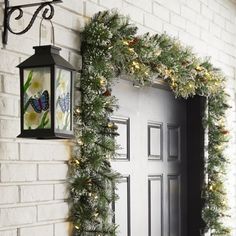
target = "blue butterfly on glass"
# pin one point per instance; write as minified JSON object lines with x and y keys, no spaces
{"x":40,"y":103}
{"x":64,"y":102}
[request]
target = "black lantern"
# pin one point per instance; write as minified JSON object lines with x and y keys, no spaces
{"x":46,"y":97}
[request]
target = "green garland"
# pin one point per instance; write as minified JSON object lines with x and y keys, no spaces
{"x":110,"y":47}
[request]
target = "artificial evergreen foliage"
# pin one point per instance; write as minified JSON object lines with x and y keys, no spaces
{"x":110,"y":47}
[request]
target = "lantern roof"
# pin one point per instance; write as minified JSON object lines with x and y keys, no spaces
{"x":47,"y":55}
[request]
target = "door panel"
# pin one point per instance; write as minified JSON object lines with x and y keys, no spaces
{"x":122,"y":218}
{"x":155,"y":202}
{"x":123,"y":139}
{"x":152,"y":127}
{"x":174,"y":207}
{"x":155,"y":140}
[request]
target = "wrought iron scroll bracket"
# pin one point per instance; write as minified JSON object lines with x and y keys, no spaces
{"x":47,"y":14}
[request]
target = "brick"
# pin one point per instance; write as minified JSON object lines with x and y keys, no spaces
{"x":52,"y":171}
{"x":228,"y":70}
{"x":68,"y":40}
{"x":60,"y":13}
{"x":219,"y":20}
{"x":227,"y":37}
{"x":114,"y":4}
{"x":92,"y":8}
{"x":194,"y":5}
{"x":45,"y":152}
{"x":61,"y":191}
{"x":11,"y":84}
{"x":53,"y":211}
{"x":9,"y":106}
{"x":153,"y":22}
{"x":226,"y":59}
{"x":188,"y":13}
{"x":202,"y":22}
{"x":133,"y":12}
{"x":45,"y":230}
{"x":173,"y":6}
{"x":69,"y":20}
{"x":9,"y":194}
{"x":206,"y":12}
{"x":9,"y":151}
{"x":76,"y":60}
{"x":198,"y":45}
{"x":17,"y":216}
{"x":230,"y":27}
{"x":79,"y":22}
{"x":9,"y":61}
{"x":18,"y":172}
{"x":73,"y":5}
{"x":171,"y":30}
{"x":145,"y":5}
{"x":62,"y":229}
{"x":215,"y":30}
{"x":9,"y":128}
{"x":36,"y":193}
{"x":161,"y":12}
{"x":177,"y":21}
{"x":214,"y":41}
{"x":224,"y":12}
{"x":141,"y":29}
{"x":212,"y":52}
{"x":193,"y":29}
{"x":229,"y":49}
{"x":8,"y":233}
{"x":15,"y":43}
{"x":215,"y":6}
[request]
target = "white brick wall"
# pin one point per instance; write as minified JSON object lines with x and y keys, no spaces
{"x":8,"y":233}
{"x":16,"y":216}
{"x":9,"y":194}
{"x":45,"y":230}
{"x":33,"y":189}
{"x":36,"y":193}
{"x":33,"y":172}
{"x":13,"y":172}
{"x":62,"y":229}
{"x":52,"y":211}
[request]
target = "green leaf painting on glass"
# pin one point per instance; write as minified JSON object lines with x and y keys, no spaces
{"x":25,"y":88}
{"x":28,"y":81}
{"x":58,"y":79}
{"x":44,"y":121}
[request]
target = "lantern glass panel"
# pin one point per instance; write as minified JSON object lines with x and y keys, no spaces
{"x":36,"y":92}
{"x":63,"y":100}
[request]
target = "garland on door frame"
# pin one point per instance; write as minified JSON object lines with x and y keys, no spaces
{"x":110,"y":47}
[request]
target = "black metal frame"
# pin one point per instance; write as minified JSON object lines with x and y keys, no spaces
{"x":47,"y":14}
{"x":47,"y":56}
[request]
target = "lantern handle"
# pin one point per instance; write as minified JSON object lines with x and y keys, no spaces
{"x":52,"y":32}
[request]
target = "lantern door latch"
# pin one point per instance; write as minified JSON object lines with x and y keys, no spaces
{"x":47,"y":14}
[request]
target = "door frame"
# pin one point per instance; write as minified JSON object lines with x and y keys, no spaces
{"x":195,"y":163}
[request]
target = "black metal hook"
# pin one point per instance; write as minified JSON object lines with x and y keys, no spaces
{"x":47,"y":14}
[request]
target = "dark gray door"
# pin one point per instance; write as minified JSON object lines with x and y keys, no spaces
{"x":151,"y":159}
